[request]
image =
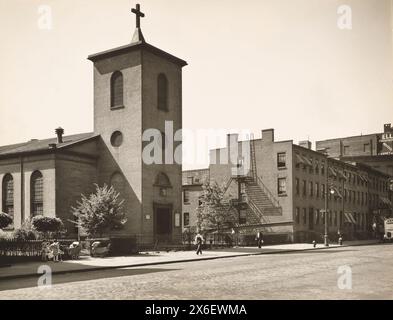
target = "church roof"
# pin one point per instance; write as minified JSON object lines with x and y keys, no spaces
{"x":135,"y":46}
{"x":44,"y":145}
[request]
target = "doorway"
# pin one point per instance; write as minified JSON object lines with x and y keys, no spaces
{"x":163,"y":223}
{"x":311,"y":218}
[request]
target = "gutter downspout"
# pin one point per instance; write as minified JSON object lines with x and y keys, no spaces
{"x":22,"y":190}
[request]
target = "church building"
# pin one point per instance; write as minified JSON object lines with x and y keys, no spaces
{"x":136,"y":87}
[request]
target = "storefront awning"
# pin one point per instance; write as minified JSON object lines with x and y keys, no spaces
{"x":386,"y":201}
{"x":307,"y":161}
{"x":337,"y":193}
{"x":332,"y":172}
{"x":341,"y":174}
{"x":363,"y":177}
{"x":349,"y":217}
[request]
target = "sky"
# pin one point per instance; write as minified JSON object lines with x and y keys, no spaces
{"x":254,"y":64}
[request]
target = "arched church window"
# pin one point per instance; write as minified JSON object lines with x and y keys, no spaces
{"x":8,"y":194}
{"x":117,"y":182}
{"x":162,"y":92}
{"x":37,"y":193}
{"x":163,"y":183}
{"x":162,"y":180}
{"x":116,"y":90}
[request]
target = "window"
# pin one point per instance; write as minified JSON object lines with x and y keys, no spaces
{"x":316,"y":166}
{"x":190,"y":180}
{"x":297,"y":186}
{"x":366,"y":148}
{"x":37,"y":193}
{"x":116,"y":90}
{"x":162,"y":92}
{"x":317,"y":189}
{"x":346,"y":150}
{"x":281,"y":160}
{"x":282,"y":186}
{"x":186,"y":196}
{"x":297,"y":215}
{"x":323,"y":191}
{"x":304,"y":216}
{"x":186,"y":219}
{"x":311,"y":188}
{"x":8,"y":195}
{"x":323,"y":168}
{"x":317,"y":216}
{"x":163,"y":144}
{"x":304,"y":188}
{"x":335,"y":218}
{"x":116,"y":139}
{"x":117,"y":182}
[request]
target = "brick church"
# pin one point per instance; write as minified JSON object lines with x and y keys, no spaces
{"x":136,"y":87}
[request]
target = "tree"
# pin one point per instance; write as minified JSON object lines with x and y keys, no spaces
{"x":5,"y":220}
{"x":47,"y":225}
{"x":101,"y":212}
{"x":214,"y":211}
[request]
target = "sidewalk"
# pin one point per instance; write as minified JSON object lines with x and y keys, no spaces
{"x":85,"y":263}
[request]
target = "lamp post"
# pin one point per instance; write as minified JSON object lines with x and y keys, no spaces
{"x":327,"y":188}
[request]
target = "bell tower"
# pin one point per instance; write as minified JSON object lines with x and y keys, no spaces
{"x":139,"y":87}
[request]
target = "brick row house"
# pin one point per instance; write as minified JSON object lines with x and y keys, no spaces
{"x":286,"y":187}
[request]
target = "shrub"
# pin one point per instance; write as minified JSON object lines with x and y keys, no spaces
{"x":5,"y":220}
{"x":47,"y":225}
{"x":23,"y":234}
{"x":5,"y":235}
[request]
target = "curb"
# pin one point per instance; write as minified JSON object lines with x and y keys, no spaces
{"x":30,"y":275}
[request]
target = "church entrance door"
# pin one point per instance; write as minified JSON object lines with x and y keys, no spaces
{"x":163,"y":223}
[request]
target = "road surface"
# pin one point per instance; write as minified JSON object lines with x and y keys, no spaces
{"x":368,"y":270}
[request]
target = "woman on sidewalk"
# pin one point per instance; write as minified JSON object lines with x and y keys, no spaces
{"x":55,"y":248}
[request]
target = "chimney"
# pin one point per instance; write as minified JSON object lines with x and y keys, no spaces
{"x":59,"y":132}
{"x":232,"y":139}
{"x":305,"y":144}
{"x":387,"y":128}
{"x":232,"y":147}
{"x":268,"y":135}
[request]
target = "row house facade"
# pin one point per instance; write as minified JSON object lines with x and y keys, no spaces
{"x":287,"y":188}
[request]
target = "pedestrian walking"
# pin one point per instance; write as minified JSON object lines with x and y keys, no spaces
{"x":259,"y":239}
{"x":199,"y":241}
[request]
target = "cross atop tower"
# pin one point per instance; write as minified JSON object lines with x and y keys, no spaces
{"x":139,"y":14}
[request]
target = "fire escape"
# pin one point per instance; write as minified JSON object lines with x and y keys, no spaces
{"x":253,"y":197}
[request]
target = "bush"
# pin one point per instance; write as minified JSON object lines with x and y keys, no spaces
{"x":5,"y":235}
{"x":5,"y":220}
{"x":26,"y":232}
{"x":23,"y":234}
{"x":47,"y":225}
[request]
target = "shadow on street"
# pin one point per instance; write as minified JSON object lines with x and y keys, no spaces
{"x":11,"y":284}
